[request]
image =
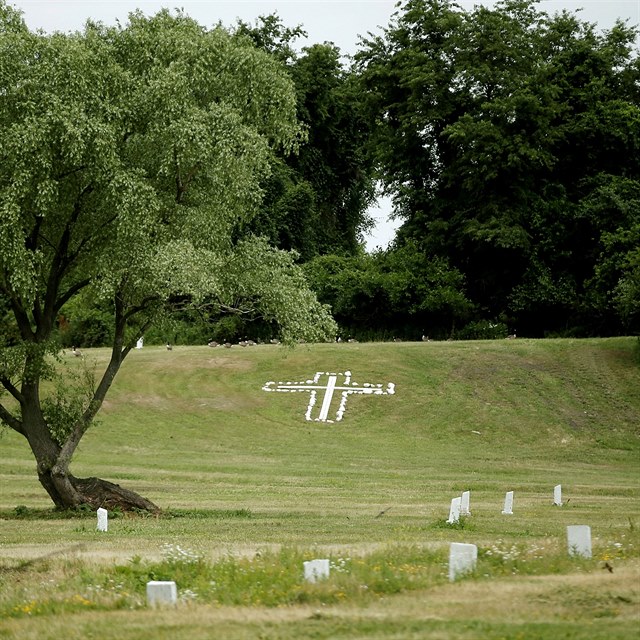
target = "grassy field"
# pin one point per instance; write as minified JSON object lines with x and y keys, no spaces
{"x":250,"y":489}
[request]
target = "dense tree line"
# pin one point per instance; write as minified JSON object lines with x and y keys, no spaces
{"x":316,"y":199}
{"x":509,"y":141}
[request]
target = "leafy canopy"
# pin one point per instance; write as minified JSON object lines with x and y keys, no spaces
{"x":127,"y":157}
{"x":509,"y":139}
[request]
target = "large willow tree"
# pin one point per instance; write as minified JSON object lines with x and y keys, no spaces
{"x":128,"y":157}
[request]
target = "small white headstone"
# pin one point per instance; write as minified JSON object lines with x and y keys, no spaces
{"x":464,"y":504}
{"x":557,"y":495}
{"x":462,"y":559}
{"x":454,"y":511}
{"x":508,"y":504}
{"x":315,"y":570}
{"x":160,"y":592}
{"x":103,"y":519}
{"x":140,"y":343}
{"x":579,"y":540}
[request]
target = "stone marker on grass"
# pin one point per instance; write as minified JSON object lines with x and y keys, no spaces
{"x":464,"y":504}
{"x":579,"y":540}
{"x":454,"y":511}
{"x":103,"y":519}
{"x":162,"y":593}
{"x":508,"y":504}
{"x":557,"y":495}
{"x":315,"y":570}
{"x":462,"y":559}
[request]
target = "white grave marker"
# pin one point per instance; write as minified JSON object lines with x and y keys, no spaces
{"x":557,"y":495}
{"x":464,"y":504}
{"x":103,"y":519}
{"x":454,"y":511}
{"x":508,"y":504}
{"x":160,"y":592}
{"x":462,"y":559}
{"x":327,"y":385}
{"x":315,"y":570}
{"x":579,"y":540}
{"x":140,"y":342}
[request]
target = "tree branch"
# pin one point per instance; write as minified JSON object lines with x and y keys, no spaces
{"x":145,"y":304}
{"x":65,"y":297}
{"x":119,"y":352}
{"x":21,"y":316}
{"x":62,"y":259}
{"x":8,"y":385}
{"x":9,"y":419}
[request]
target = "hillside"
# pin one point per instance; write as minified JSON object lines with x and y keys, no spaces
{"x":193,"y":429}
{"x":250,"y":489}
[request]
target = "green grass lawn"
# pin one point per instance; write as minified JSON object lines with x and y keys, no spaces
{"x":250,"y":488}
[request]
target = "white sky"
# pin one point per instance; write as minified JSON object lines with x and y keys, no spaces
{"x":337,"y":21}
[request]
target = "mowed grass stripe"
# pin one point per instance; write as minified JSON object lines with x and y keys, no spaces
{"x":253,"y":488}
{"x":193,"y":428}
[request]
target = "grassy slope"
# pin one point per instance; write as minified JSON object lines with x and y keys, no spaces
{"x":192,"y":429}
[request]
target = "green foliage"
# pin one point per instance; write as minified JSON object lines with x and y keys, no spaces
{"x":62,"y":408}
{"x":398,"y":293}
{"x":333,"y":160}
{"x":317,"y":199}
{"x":482,"y":330}
{"x":271,"y":35}
{"x":288,"y":215}
{"x":83,"y":322}
{"x":508,"y":139}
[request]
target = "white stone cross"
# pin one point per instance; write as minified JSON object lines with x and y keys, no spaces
{"x":327,"y":385}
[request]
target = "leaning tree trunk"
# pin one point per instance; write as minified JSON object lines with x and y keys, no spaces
{"x":69,"y":492}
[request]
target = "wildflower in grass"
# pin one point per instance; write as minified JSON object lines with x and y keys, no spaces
{"x":187,"y":595}
{"x":341,"y":565}
{"x":27,"y":608}
{"x":174,"y":553}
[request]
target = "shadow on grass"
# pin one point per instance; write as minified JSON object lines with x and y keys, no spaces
{"x":21,"y":512}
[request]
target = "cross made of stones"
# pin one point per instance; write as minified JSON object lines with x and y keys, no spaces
{"x":332,"y":391}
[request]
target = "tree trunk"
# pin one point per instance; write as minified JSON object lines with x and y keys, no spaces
{"x":53,"y":458}
{"x":69,"y":492}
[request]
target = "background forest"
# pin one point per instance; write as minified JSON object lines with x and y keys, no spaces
{"x":509,"y":142}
